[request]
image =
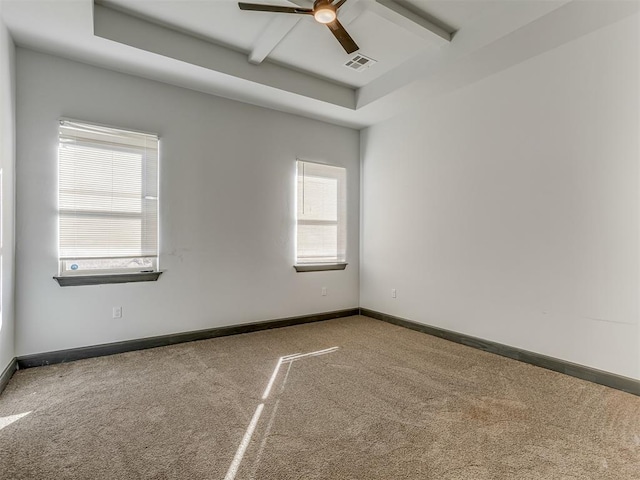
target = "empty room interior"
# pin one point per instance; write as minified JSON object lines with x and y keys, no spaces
{"x":341,"y":239}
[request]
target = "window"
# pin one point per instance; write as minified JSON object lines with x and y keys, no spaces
{"x":108,"y":201}
{"x":321,"y":217}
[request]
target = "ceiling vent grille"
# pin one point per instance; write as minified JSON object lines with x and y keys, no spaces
{"x":360,"y":62}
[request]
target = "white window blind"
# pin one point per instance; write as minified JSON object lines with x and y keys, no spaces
{"x":108,"y":199}
{"x":321,"y":213}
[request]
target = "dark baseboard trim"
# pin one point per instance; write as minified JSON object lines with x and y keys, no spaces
{"x":601,"y":377}
{"x":63,"y":356}
{"x":8,"y":373}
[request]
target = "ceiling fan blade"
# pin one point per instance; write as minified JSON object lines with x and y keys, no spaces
{"x":338,"y":4}
{"x":259,"y":7}
{"x":343,"y":37}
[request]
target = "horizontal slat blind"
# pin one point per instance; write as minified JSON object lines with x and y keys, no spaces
{"x":108,"y":192}
{"x":321,"y":213}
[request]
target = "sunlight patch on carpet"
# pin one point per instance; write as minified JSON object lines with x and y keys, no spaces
{"x":9,"y":419}
{"x":246,"y":439}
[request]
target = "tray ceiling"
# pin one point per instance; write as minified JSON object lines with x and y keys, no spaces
{"x":292,"y":63}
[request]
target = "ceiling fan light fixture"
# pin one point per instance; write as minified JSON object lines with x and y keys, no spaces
{"x":324,"y":15}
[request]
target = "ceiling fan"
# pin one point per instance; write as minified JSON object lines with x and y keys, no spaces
{"x":324,"y":11}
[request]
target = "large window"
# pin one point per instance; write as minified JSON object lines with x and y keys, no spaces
{"x":321,"y":215}
{"x":108,"y":200}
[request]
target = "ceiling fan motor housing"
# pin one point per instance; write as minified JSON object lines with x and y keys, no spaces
{"x":324,"y":11}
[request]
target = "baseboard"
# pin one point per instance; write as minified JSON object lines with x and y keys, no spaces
{"x":8,"y":373}
{"x":63,"y":356}
{"x":601,"y":377}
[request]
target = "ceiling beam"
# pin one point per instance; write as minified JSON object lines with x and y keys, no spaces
{"x":410,"y":21}
{"x":277,"y":29}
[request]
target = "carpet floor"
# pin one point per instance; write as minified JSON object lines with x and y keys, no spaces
{"x":352,"y":398}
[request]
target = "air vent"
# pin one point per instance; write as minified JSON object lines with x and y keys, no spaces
{"x":359,"y":62}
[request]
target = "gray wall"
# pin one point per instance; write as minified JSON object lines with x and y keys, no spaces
{"x":226,"y":209}
{"x":509,"y":210}
{"x":7,"y":163}
{"x":7,"y":205}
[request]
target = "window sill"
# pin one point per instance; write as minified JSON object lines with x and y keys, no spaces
{"x":320,"y":267}
{"x":79,"y":280}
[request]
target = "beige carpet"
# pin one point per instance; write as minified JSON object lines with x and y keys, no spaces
{"x":387,"y":403}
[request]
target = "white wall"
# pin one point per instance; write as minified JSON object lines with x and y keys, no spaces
{"x":7,"y":164}
{"x":227,"y":219}
{"x":509,"y":210}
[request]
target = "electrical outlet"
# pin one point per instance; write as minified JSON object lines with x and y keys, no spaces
{"x":393,"y":293}
{"x":117,"y":312}
{"x":324,"y":291}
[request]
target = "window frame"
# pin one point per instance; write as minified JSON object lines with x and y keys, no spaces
{"x":68,"y":277}
{"x":341,"y":221}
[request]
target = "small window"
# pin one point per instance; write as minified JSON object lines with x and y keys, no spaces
{"x":108,"y":200}
{"x":321,"y":216}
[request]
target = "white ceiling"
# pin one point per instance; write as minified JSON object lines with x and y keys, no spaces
{"x":291,"y":63}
